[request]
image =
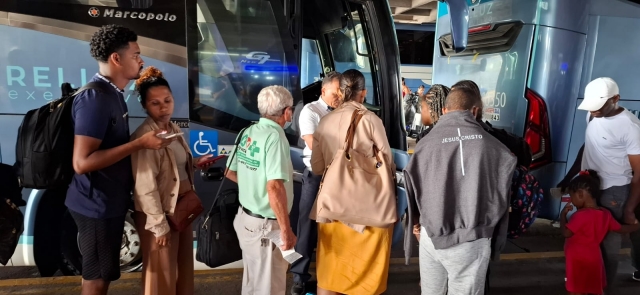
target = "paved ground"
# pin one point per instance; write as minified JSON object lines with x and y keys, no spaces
{"x":531,"y":265}
{"x":541,"y":271}
{"x":522,"y":277}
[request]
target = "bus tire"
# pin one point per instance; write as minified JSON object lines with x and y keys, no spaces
{"x":71,"y":264}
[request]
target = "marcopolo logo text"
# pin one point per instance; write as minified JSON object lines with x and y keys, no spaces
{"x":113,"y":13}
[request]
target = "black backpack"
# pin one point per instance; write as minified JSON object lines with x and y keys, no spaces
{"x":526,"y":195}
{"x":517,"y":145}
{"x":44,"y":149}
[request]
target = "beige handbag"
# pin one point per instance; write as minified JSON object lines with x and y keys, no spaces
{"x":357,"y":189}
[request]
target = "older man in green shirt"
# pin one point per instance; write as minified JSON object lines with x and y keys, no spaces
{"x":264,"y":173}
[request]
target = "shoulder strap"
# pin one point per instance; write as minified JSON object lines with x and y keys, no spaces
{"x":351,"y":132}
{"x":489,"y":125}
{"x":97,"y":86}
{"x":355,"y":119}
{"x":235,"y":151}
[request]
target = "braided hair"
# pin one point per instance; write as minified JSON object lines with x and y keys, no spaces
{"x":435,"y":99}
{"x":587,"y":180}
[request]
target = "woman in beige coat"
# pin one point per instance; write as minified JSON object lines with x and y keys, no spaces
{"x":347,"y":261}
{"x":161,"y":176}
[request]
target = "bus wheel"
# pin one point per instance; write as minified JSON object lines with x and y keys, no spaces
{"x":130,"y":251}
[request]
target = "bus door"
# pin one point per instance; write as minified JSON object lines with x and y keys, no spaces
{"x":350,"y":40}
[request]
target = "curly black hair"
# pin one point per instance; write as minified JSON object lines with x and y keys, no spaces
{"x":110,"y":39}
{"x":587,"y":180}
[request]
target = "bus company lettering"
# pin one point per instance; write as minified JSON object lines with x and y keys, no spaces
{"x":35,"y":82}
{"x":110,"y":12}
{"x":461,"y":138}
{"x":182,"y":123}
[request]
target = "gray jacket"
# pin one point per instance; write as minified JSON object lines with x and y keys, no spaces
{"x":458,"y":181}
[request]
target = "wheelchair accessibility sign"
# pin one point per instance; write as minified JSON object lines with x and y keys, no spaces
{"x":203,"y":142}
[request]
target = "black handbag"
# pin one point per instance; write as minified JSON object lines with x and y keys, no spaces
{"x":217,"y":239}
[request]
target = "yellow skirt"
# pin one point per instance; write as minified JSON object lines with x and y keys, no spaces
{"x":353,"y":263}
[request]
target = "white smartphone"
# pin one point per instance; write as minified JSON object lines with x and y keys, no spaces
{"x":169,"y":135}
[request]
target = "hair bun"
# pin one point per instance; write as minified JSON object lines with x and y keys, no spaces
{"x":149,"y":74}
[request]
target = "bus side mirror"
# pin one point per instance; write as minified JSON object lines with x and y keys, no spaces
{"x":459,"y":15}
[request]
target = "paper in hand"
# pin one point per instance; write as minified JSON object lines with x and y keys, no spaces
{"x":289,"y":255}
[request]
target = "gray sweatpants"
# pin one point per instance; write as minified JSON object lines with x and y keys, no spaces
{"x":460,"y":269}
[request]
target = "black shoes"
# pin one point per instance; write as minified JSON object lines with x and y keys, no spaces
{"x":636,"y":276}
{"x":297,"y":289}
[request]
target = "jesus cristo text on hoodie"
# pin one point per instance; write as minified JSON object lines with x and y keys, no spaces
{"x":459,"y":180}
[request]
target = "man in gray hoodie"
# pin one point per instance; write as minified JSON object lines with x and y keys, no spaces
{"x":458,"y":187}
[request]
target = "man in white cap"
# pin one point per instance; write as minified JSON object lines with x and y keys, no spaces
{"x":612,"y":148}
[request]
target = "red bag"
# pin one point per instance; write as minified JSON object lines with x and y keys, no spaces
{"x":188,"y":208}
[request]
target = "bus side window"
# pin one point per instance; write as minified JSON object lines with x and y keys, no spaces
{"x":240,"y":51}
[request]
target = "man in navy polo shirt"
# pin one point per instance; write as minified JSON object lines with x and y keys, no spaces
{"x":100,"y":192}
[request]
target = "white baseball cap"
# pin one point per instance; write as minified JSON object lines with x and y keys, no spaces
{"x":597,"y":93}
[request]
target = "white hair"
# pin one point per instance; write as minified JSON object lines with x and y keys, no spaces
{"x":272,"y":100}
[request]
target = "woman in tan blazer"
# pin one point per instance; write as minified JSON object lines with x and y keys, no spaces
{"x":347,"y":261}
{"x":160,"y":177}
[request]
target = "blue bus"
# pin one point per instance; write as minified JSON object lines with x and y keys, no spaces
{"x":217,"y":55}
{"x":532,"y":60}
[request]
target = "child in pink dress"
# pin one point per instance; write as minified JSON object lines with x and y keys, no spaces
{"x":584,"y":232}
